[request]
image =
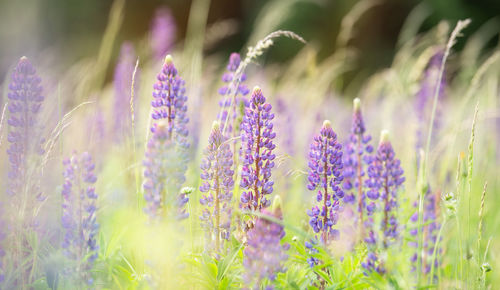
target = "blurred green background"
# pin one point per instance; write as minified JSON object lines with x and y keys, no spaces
{"x":73,"y":28}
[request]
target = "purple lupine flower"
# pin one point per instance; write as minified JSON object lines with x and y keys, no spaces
{"x":217,"y":175}
{"x":163,"y":32}
{"x":122,"y":86}
{"x":264,"y":253}
{"x":425,"y":98}
{"x":385,"y":177}
{"x":166,"y":155}
{"x":164,"y":169}
{"x":78,"y":220}
{"x":356,"y":158}
{"x":430,"y":230}
{"x":311,"y":248}
{"x":257,"y":150}
{"x":233,"y":99}
{"x":170,"y":103}
{"x":325,"y":177}
{"x":372,"y":263}
{"x":25,"y":101}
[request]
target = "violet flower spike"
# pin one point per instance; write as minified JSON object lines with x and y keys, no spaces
{"x":163,"y":32}
{"x":424,"y":100}
{"x":166,"y":155}
{"x":217,"y":175}
{"x":325,"y":177}
{"x":356,"y":159}
{"x":79,"y":222}
{"x":385,"y":177}
{"x":164,"y":170}
{"x":233,"y":99}
{"x":122,"y":86}
{"x":430,"y":230}
{"x":257,"y":152}
{"x":264,"y":254}
{"x":170,"y":103}
{"x":25,"y":101}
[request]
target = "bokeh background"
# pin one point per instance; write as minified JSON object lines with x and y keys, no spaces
{"x":74,"y":29}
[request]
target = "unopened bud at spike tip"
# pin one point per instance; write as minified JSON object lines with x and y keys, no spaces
{"x":215,"y":125}
{"x":168,"y":59}
{"x":327,"y":123}
{"x":357,"y":104}
{"x":384,"y":136}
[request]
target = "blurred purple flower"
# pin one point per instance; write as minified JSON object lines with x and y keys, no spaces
{"x":257,"y":150}
{"x":325,"y":176}
{"x":122,"y":85}
{"x":425,"y":98}
{"x":430,"y":230}
{"x":166,"y":155}
{"x":233,"y":99}
{"x":164,"y":169}
{"x":79,"y":221}
{"x":264,"y":253}
{"x":25,"y":101}
{"x":356,"y":158}
{"x":217,"y":176}
{"x":163,"y":32}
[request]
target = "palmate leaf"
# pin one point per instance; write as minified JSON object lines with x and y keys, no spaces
{"x":212,"y":273}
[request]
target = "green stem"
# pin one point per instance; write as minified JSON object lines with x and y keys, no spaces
{"x":434,"y":252}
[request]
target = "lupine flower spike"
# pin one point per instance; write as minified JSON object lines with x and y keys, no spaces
{"x":166,"y":154}
{"x":325,"y":177}
{"x":424,"y":99}
{"x":264,"y":254}
{"x":25,"y":101}
{"x":122,"y":85}
{"x":356,"y":158}
{"x":24,"y":155}
{"x":233,"y":99}
{"x":79,"y":215}
{"x":257,"y":150}
{"x":163,"y":32}
{"x":217,"y":176}
{"x":385,"y":177}
{"x":430,"y":230}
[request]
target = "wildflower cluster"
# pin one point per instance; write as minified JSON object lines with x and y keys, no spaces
{"x":257,"y":151}
{"x":233,"y":94}
{"x":79,"y":214}
{"x":163,"y":32}
{"x":385,"y":177}
{"x":123,"y":85}
{"x":25,"y":101}
{"x":430,"y":230}
{"x":166,"y":157}
{"x":217,"y":176}
{"x":264,"y":253}
{"x":424,"y":99}
{"x":356,"y":159}
{"x":325,"y":177}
